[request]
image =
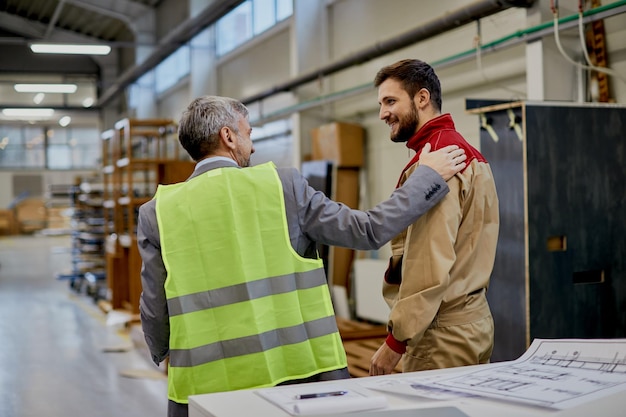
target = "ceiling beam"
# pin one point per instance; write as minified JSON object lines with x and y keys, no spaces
{"x":20,"y":26}
{"x":55,"y":17}
{"x":118,"y":9}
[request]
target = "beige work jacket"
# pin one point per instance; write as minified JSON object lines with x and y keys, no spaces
{"x":441,"y":265}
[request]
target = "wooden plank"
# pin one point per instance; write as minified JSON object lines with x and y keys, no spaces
{"x":353,"y":330}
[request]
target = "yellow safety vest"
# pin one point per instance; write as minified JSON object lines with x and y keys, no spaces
{"x":245,"y":309}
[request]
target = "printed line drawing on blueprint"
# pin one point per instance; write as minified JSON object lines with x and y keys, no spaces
{"x":552,"y":373}
{"x":575,"y":360}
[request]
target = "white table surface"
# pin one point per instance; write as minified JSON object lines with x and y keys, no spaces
{"x":248,"y":403}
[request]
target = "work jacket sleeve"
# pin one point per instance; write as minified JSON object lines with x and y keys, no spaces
{"x":427,"y":265}
{"x":153,"y":302}
{"x":328,"y":222}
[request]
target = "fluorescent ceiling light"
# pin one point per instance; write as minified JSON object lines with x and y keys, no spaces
{"x":88,"y":102}
{"x":65,"y":120}
{"x":38,"y":98}
{"x":59,"y":48}
{"x":42,"y":112}
{"x":45,"y":88}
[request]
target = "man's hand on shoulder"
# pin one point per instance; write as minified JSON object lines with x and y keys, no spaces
{"x":446,"y":161}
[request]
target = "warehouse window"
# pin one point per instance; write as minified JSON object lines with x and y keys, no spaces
{"x":284,"y":9}
{"x":22,"y":147}
{"x":264,"y":15}
{"x":73,"y":148}
{"x":137,"y":90}
{"x":234,"y":29}
{"x":38,"y":147}
{"x":249,"y":19}
{"x":173,"y":69}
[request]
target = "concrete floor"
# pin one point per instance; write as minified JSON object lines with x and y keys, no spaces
{"x":54,"y":342}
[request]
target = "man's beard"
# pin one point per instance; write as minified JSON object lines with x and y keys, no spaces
{"x":243,"y":162}
{"x":407,"y":126}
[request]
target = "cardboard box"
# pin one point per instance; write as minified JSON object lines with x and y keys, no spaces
{"x":346,"y":191}
{"x":31,"y":215}
{"x":346,"y":186}
{"x":341,"y":143}
{"x":8,"y":225}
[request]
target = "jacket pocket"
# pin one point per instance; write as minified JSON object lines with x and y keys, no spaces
{"x":393,"y":274}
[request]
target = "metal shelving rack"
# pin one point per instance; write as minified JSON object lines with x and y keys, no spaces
{"x":138,"y":155}
{"x":87,"y":249}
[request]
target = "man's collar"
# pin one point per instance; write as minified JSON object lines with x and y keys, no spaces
{"x":214,"y":159}
{"x":419,"y":139}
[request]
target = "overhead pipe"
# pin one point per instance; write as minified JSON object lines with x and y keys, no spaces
{"x":454,"y":19}
{"x":169,"y":44}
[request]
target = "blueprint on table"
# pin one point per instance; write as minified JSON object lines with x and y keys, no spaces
{"x":559,"y":373}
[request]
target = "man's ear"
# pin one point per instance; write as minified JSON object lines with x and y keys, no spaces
{"x":227,"y":137}
{"x":422,"y":98}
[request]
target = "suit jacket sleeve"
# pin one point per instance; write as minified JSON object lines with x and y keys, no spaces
{"x":332,"y":223}
{"x":312,"y":217}
{"x":153,"y":303}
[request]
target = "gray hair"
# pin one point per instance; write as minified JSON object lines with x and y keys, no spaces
{"x":201,"y":122}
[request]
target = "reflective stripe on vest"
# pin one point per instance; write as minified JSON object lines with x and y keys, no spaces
{"x":245,"y":309}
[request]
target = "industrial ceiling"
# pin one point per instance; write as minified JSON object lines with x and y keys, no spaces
{"x":65,"y":21}
{"x":125,"y":25}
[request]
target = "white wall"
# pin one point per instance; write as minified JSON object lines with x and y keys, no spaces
{"x":260,"y":66}
{"x":171,"y":105}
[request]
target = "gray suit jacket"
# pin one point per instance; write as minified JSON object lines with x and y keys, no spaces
{"x":311,"y":218}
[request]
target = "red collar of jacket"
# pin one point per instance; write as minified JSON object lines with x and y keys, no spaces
{"x":423,"y":135}
{"x":434,"y":131}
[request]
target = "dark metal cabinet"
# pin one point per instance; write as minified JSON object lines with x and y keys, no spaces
{"x":560,"y":171}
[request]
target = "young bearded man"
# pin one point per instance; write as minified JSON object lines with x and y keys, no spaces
{"x":438,"y":275}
